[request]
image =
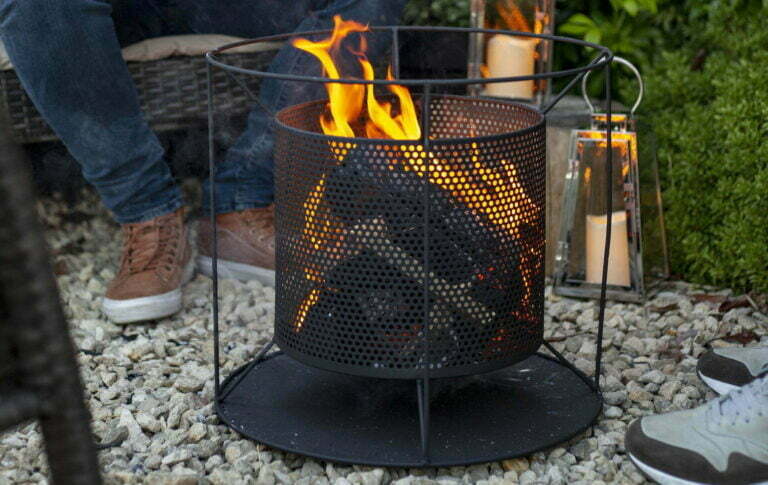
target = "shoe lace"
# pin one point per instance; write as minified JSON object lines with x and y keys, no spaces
{"x":746,"y":402}
{"x":151,"y":245}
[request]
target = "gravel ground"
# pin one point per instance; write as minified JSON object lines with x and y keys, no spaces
{"x":150,"y":386}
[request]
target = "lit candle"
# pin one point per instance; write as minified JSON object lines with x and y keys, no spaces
{"x":510,"y":56}
{"x":618,"y":260}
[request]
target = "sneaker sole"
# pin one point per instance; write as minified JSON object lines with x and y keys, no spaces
{"x":660,"y":476}
{"x":147,"y":307}
{"x":237,"y":271}
{"x":719,"y":387}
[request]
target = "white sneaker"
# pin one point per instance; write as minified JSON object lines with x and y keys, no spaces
{"x":730,"y":368}
{"x":723,"y":441}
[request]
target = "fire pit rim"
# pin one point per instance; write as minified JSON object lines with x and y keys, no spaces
{"x":276,"y":121}
{"x":603,"y":58}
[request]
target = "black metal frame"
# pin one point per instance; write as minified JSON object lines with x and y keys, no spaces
{"x":601,"y":61}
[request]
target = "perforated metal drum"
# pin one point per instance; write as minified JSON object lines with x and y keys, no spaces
{"x":398,"y":260}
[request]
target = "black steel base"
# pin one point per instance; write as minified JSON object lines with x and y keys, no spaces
{"x":341,"y":418}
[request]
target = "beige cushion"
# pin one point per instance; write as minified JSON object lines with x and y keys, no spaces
{"x":170,"y":46}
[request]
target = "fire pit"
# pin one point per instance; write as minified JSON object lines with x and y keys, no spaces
{"x":410,"y":282}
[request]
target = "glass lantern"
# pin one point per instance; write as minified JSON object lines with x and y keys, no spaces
{"x":501,"y":55}
{"x":634,"y":189}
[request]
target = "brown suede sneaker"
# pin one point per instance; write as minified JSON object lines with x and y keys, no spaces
{"x":156,"y":261}
{"x":246,"y":243}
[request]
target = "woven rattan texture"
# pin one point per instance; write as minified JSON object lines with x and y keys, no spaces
{"x":400,"y":262}
{"x":172,"y":93}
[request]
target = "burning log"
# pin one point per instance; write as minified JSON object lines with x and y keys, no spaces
{"x":464,"y":248}
{"x":389,"y":307}
{"x":391,"y":300}
{"x":458,"y":296}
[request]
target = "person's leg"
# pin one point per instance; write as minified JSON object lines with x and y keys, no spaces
{"x":244,"y":178}
{"x":67,"y":54}
{"x":68,"y":58}
{"x":244,"y":181}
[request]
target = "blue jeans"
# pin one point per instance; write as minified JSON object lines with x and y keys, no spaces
{"x":67,"y":55}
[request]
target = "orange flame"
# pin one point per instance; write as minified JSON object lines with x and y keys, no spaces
{"x":512,"y":17}
{"x":345,"y":101}
{"x":621,"y":140}
{"x":305,"y":306}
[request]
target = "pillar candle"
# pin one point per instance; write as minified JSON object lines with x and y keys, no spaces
{"x":618,"y":260}
{"x":510,"y":56}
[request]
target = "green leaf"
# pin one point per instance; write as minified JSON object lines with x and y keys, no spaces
{"x":631,"y":7}
{"x":594,"y":36}
{"x":577,"y":24}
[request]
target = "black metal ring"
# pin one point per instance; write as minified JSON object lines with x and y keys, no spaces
{"x":604,"y":58}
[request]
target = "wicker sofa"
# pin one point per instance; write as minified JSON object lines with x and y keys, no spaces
{"x":39,"y":377}
{"x":170,"y":75}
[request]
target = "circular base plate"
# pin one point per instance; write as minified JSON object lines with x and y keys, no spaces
{"x":341,"y":418}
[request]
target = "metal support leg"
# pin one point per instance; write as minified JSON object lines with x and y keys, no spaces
{"x":422,"y":390}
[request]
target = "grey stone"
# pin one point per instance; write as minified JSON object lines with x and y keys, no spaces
{"x":188,"y":384}
{"x":615,"y":398}
{"x":136,"y":437}
{"x":654,"y":376}
{"x":162,"y":478}
{"x":266,"y":476}
{"x":197,"y":432}
{"x":528,"y":477}
{"x":177,"y":456}
{"x":613,"y":412}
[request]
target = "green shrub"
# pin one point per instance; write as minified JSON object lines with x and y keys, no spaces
{"x":705,"y":64}
{"x":708,"y":102}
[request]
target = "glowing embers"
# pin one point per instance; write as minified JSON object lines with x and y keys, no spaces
{"x":466,"y":273}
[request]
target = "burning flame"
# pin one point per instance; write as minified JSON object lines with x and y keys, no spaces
{"x":619,"y":139}
{"x":622,"y":141}
{"x":345,"y":101}
{"x":495,"y":193}
{"x":512,"y":17}
{"x":308,"y":302}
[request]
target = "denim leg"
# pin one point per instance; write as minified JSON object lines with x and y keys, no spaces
{"x":245,"y":177}
{"x":68,"y":58}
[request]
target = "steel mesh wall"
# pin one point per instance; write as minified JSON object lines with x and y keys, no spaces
{"x":398,"y":261}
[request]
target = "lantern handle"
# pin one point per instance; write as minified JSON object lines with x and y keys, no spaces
{"x":632,"y":68}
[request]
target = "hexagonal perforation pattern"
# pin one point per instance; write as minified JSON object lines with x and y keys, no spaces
{"x":400,"y":262}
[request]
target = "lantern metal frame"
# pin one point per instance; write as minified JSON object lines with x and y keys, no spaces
{"x":544,"y":51}
{"x":580,"y":288}
{"x":280,"y":402}
{"x":624,"y":133}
